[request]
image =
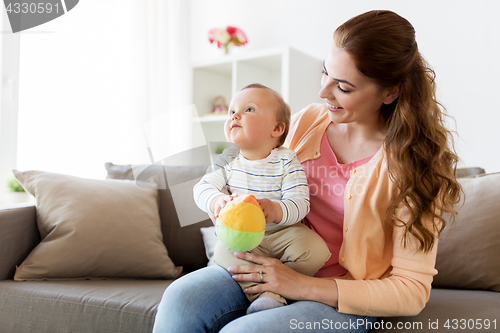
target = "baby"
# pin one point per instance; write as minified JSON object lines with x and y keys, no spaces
{"x":258,"y":123}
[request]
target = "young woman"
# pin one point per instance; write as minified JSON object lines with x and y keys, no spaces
{"x":381,"y":172}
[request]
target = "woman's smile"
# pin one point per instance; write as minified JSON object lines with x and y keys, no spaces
{"x":334,"y":108}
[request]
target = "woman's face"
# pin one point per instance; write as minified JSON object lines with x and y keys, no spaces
{"x":350,"y":95}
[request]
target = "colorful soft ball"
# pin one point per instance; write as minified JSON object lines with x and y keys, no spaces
{"x":241,"y":224}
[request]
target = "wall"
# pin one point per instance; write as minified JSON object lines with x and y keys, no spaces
{"x":458,"y":38}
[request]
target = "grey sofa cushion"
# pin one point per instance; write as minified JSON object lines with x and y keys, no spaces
{"x":469,"y":172}
{"x":184,"y":244}
{"x":467,"y":255}
{"x":98,"y":306}
{"x":18,"y":236}
{"x":449,"y":304}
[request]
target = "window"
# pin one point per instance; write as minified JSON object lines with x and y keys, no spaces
{"x":9,"y":68}
{"x":87,"y":79}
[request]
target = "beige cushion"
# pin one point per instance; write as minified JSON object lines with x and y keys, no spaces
{"x":468,"y":250}
{"x":94,"y":229}
{"x":184,"y":243}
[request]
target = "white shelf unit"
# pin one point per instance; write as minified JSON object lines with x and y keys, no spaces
{"x":295,"y":75}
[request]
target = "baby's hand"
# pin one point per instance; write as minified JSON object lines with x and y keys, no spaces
{"x":272,"y":210}
{"x":220,"y":202}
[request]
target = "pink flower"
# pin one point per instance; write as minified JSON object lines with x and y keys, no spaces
{"x":211,"y":35}
{"x":231,"y":30}
{"x":227,"y":36}
{"x":241,"y":37}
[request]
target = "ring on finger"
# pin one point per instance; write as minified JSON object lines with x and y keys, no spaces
{"x":261,"y":277}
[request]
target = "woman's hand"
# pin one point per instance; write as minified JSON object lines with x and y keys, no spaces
{"x":272,"y":210}
{"x":277,"y":277}
{"x":282,"y":280}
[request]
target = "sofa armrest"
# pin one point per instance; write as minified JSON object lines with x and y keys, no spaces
{"x":18,"y":236}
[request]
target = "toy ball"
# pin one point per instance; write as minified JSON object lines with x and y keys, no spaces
{"x":241,"y":224}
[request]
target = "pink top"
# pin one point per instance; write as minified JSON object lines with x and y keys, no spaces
{"x":327,"y":180}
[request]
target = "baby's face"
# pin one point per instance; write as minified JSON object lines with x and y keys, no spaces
{"x":252,"y":119}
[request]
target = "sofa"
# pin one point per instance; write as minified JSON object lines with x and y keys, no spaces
{"x":465,"y":294}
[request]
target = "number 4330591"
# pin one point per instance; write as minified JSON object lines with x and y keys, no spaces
{"x":32,"y":8}
{"x":470,"y":324}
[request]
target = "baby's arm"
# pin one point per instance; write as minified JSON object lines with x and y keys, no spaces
{"x":295,"y":194}
{"x":272,"y":210}
{"x":209,"y":192}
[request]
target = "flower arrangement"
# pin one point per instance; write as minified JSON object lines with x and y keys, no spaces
{"x":227,"y":36}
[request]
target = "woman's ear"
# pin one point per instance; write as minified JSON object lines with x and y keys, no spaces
{"x":278,"y":130}
{"x":390,"y":94}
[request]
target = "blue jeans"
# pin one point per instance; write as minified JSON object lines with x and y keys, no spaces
{"x":208,"y":300}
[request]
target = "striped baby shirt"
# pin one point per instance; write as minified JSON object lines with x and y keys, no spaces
{"x":278,"y":177}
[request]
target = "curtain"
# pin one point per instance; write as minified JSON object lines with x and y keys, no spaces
{"x":9,"y":70}
{"x":167,"y":129}
{"x":91,"y":77}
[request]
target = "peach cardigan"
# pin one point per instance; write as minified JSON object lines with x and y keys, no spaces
{"x":385,"y":278}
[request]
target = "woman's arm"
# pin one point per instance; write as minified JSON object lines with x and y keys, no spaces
{"x":404,"y":292}
{"x":283,"y":280}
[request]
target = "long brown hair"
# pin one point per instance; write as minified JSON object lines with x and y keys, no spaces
{"x":421,"y":158}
